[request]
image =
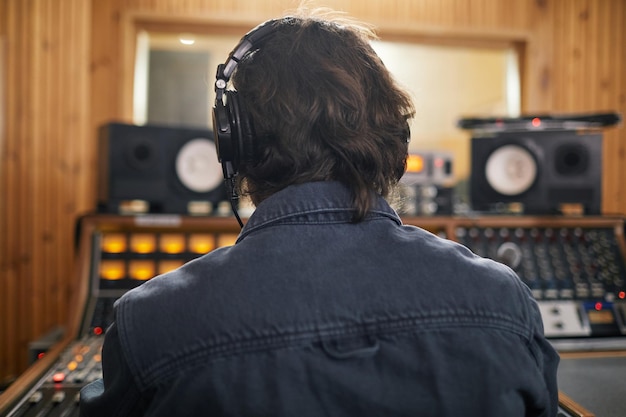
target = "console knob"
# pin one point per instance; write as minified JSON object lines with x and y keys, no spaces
{"x":509,"y":254}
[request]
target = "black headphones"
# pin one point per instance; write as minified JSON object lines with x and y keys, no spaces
{"x":232,"y":128}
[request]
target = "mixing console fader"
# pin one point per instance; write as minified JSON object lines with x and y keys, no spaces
{"x":57,"y":394}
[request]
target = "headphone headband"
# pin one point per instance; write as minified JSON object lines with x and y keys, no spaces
{"x":250,"y":40}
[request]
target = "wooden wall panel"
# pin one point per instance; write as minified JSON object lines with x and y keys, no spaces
{"x":46,"y":167}
{"x":66,"y":72}
{"x":5,"y":284}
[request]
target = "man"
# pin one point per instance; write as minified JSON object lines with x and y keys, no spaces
{"x":327,"y":305}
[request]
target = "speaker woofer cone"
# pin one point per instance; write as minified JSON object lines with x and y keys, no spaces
{"x":571,"y":159}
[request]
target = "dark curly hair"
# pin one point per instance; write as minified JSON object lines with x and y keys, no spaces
{"x":324,"y":108}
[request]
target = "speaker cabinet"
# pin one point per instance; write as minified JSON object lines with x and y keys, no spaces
{"x":543,"y":171}
{"x":169,"y":169}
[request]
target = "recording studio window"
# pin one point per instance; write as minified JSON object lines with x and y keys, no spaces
{"x":174,"y":73}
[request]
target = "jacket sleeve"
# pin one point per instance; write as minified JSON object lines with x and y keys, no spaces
{"x":547,"y":359}
{"x":117,"y":393}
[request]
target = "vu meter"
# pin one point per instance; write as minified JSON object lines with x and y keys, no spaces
{"x":429,"y":167}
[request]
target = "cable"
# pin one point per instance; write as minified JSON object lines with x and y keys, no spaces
{"x":230,"y":184}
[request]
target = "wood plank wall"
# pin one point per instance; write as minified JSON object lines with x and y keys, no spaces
{"x":64,"y":74}
{"x":46,"y":166}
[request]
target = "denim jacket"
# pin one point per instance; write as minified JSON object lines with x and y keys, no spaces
{"x":310,"y":314}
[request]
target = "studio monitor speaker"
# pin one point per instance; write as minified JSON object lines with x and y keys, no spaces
{"x":543,"y":171}
{"x":170,"y":169}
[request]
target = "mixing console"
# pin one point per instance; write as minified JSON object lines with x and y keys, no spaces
{"x":577,"y":274}
{"x":57,"y":393}
{"x":575,"y":269}
{"x":118,"y":253}
{"x":557,"y":263}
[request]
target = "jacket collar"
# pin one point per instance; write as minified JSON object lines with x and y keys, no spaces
{"x":328,"y":200}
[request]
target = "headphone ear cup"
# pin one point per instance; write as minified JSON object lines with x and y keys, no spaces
{"x":222,"y":132}
{"x":241,"y":124}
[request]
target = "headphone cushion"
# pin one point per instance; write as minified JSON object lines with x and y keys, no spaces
{"x":242,"y":129}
